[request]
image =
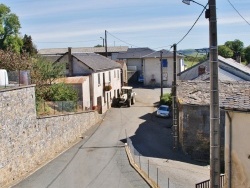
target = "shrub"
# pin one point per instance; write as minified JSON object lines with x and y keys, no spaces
{"x":166,"y":99}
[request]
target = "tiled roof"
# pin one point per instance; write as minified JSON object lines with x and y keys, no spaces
{"x":112,"y":49}
{"x":235,"y":64}
{"x":72,"y":80}
{"x":233,"y":95}
{"x":96,"y":62}
{"x":134,"y":53}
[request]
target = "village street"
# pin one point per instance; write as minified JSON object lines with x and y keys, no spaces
{"x":99,"y":160}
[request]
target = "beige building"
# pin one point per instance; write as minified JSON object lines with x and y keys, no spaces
{"x":237,"y":139}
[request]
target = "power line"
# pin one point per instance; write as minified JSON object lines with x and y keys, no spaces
{"x":192,"y":25}
{"x":238,"y":12}
{"x":122,"y":40}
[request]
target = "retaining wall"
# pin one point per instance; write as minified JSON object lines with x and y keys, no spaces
{"x":27,"y":141}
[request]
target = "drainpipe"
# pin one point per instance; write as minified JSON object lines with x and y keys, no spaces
{"x":229,"y":180}
{"x":70,"y":61}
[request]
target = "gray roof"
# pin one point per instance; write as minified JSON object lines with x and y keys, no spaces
{"x":223,"y":75}
{"x":96,"y":62}
{"x":235,"y":64}
{"x":233,"y":95}
{"x":134,"y":53}
{"x":157,"y":54}
{"x":52,"y":58}
{"x":112,"y":49}
{"x":230,"y":62}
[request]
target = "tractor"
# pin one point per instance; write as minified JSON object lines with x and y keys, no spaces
{"x":126,"y":97}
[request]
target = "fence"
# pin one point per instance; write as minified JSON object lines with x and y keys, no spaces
{"x":61,"y":107}
{"x":149,"y":168}
{"x":206,"y":184}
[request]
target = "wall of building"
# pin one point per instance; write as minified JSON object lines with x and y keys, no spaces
{"x":27,"y":141}
{"x":98,"y":89}
{"x":194,"y":131}
{"x":152,"y":70}
{"x":240,"y":154}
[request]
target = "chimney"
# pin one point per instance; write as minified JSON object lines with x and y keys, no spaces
{"x":238,"y":57}
{"x":70,"y":62}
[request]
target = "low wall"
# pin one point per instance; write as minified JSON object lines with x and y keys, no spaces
{"x":27,"y":141}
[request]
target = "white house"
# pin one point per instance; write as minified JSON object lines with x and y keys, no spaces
{"x":104,"y":76}
{"x":152,"y":67}
{"x":134,"y":61}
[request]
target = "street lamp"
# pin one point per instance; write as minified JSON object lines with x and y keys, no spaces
{"x":102,"y":41}
{"x":214,"y":94}
{"x":188,"y":2}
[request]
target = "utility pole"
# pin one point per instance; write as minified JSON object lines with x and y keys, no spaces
{"x":175,"y":117}
{"x":214,"y":99}
{"x":106,"y":47}
{"x":161,"y":75}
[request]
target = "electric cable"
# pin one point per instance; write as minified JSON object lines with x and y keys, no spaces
{"x":192,"y":26}
{"x":238,"y":12}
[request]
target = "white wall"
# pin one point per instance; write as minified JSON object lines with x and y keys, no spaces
{"x":97,"y":89}
{"x":240,"y":149}
{"x":135,"y":62}
{"x":152,"y":67}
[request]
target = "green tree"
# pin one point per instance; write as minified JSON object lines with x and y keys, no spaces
{"x":237,"y":47}
{"x":28,"y":45}
{"x":225,"y":51}
{"x":247,"y":54}
{"x":9,"y":29}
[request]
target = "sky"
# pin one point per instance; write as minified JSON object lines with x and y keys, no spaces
{"x":157,"y":24}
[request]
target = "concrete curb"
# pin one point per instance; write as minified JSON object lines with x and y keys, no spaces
{"x":149,"y":181}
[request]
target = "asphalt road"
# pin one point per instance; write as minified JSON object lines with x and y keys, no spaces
{"x":99,"y":160}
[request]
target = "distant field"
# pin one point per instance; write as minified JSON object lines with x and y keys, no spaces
{"x":190,"y":63}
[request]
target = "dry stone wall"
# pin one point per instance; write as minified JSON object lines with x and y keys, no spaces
{"x":27,"y":141}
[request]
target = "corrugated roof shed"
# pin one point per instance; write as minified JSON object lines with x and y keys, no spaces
{"x":233,"y":95}
{"x":111,"y":49}
{"x":96,"y":62}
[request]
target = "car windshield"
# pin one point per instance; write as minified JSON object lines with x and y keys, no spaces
{"x":164,"y":108}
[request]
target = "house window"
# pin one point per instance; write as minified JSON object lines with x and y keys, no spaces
{"x":114,"y":74}
{"x":109,"y":76}
{"x":118,"y":74}
{"x":99,"y":79}
{"x":164,"y":63}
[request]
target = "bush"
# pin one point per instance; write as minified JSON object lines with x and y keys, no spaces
{"x":166,"y":99}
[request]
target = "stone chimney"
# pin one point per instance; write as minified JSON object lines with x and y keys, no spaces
{"x":70,"y":62}
{"x":238,"y":57}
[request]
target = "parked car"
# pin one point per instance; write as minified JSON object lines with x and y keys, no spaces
{"x":140,"y":79}
{"x":163,"y":111}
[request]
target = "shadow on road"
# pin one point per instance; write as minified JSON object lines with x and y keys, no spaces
{"x":154,"y":138}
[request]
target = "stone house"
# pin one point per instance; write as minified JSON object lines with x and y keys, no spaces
{"x":229,"y":70}
{"x":194,"y":114}
{"x":237,"y":131}
{"x":104,"y":76}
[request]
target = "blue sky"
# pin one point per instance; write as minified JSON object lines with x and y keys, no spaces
{"x":143,"y":23}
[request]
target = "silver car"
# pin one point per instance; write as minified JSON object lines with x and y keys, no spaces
{"x":163,"y":111}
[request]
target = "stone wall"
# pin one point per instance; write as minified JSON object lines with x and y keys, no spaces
{"x":194,"y":132}
{"x":27,"y":141}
